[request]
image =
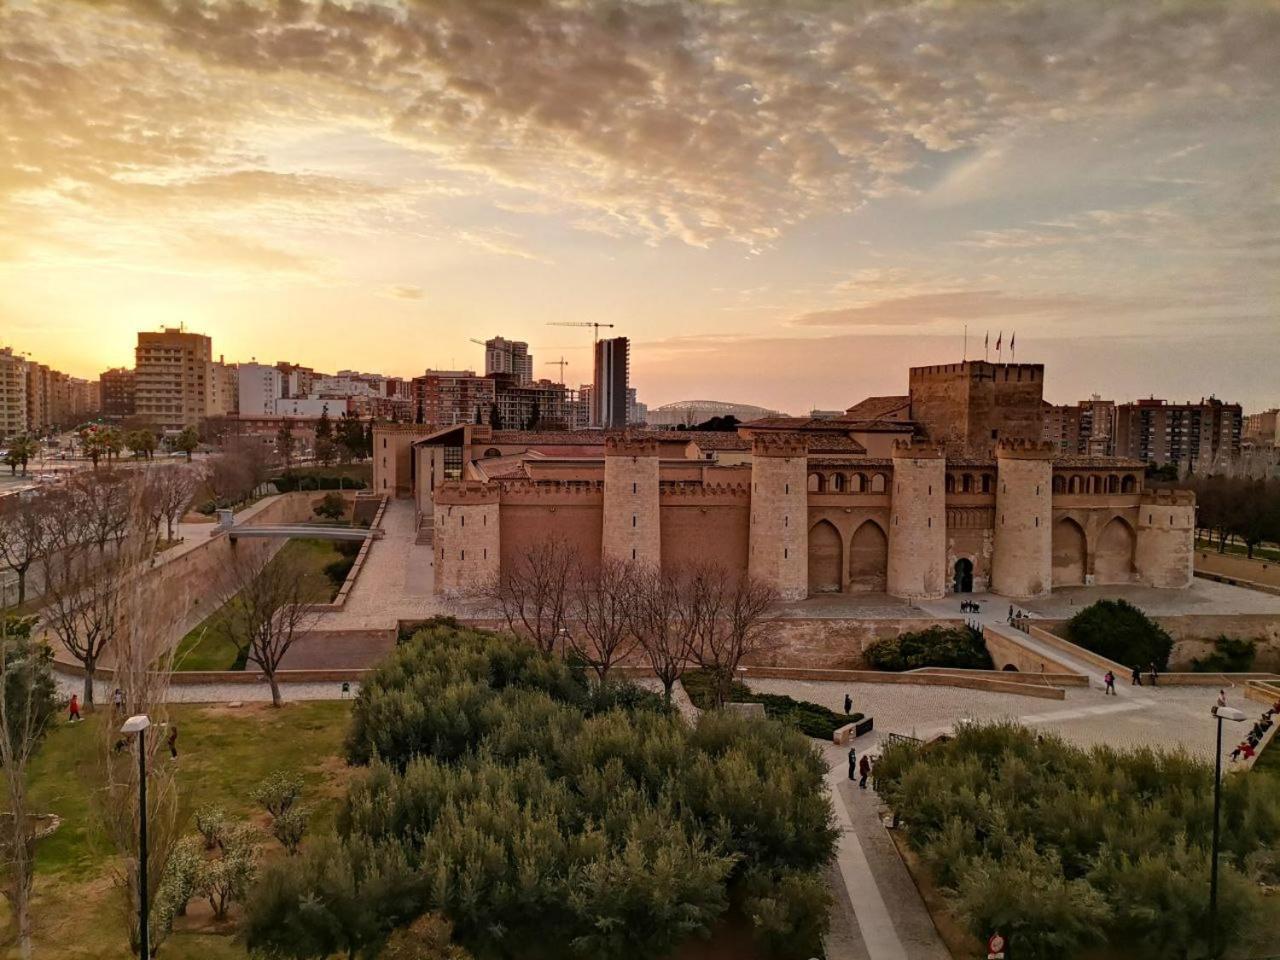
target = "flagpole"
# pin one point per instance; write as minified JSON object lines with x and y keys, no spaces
{"x":965,"y":355}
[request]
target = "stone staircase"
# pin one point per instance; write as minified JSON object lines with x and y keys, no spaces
{"x":426,"y":531}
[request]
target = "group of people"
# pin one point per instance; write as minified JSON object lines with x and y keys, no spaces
{"x":970,"y":606}
{"x":118,"y":709}
{"x":860,"y":768}
{"x":1019,"y":619}
{"x":1249,"y":745}
{"x":1153,"y":675}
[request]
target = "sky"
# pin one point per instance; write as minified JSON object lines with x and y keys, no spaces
{"x":780,"y":203}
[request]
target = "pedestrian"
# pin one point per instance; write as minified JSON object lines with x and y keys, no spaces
{"x":117,"y":701}
{"x":1011,"y":613}
{"x":853,"y":764}
{"x":1109,"y":679}
{"x":1136,"y":680}
{"x":1153,"y":673}
{"x":172,"y":741}
{"x":864,"y":771}
{"x":848,"y":704}
{"x":73,"y":708}
{"x":1222,"y":702}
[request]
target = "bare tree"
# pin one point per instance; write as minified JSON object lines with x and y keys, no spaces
{"x":661,"y":621}
{"x":26,"y":705}
{"x":228,"y":478}
{"x":106,"y":506}
{"x":22,"y":535}
{"x":730,"y":610}
{"x":600,"y":604}
{"x":267,"y":609}
{"x":532,"y":592}
{"x":81,"y":605}
{"x":171,"y":489}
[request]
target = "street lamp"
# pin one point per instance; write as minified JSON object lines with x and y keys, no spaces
{"x":138,"y":724}
{"x":1222,"y":713}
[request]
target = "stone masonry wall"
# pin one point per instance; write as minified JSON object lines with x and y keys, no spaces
{"x":631,"y":524}
{"x":779,"y":552}
{"x":917,"y":525}
{"x":1022,"y":563}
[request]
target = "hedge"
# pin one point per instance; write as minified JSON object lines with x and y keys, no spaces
{"x":812,"y":719}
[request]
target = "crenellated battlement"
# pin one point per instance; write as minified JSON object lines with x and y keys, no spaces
{"x":779,"y":445}
{"x":630,"y":445}
{"x":1025,"y":450}
{"x":552,"y":491}
{"x":677,"y":490}
{"x":1164,"y":496}
{"x":458,"y":492}
{"x":916,"y":449}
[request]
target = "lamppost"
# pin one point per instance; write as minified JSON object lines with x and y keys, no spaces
{"x":138,"y":724}
{"x":1222,"y":713}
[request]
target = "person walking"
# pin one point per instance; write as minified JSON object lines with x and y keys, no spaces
{"x":864,"y":771}
{"x":1136,"y":679}
{"x":853,"y":764}
{"x":171,"y":741}
{"x":848,"y":704}
{"x":117,"y":701}
{"x":1152,"y":673}
{"x":1109,"y":681}
{"x":73,"y":710}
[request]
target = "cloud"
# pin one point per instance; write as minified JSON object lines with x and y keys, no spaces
{"x":503,"y":243}
{"x":404,"y":291}
{"x":244,"y":254}
{"x":927,"y":308}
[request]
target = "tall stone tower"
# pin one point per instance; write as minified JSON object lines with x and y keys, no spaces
{"x":1022,"y":555}
{"x":779,"y":550}
{"x":1165,"y":552}
{"x":632,"y":531}
{"x":918,"y":522}
{"x":467,"y":535}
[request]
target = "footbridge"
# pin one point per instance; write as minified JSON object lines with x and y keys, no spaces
{"x":308,"y":531}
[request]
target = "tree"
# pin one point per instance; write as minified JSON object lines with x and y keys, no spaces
{"x":187,"y":441}
{"x":93,"y":441}
{"x":21,"y":450}
{"x":27,"y":704}
{"x":23,"y":535}
{"x":532,"y":593}
{"x":661,"y":621}
{"x":267,"y":610}
{"x":142,"y":442}
{"x":1118,"y":630}
{"x":324,"y":428}
{"x":112,"y":443}
{"x":226,"y":879}
{"x":326,"y":451}
{"x":285,"y":443}
{"x":171,"y":489}
{"x":332,"y":506}
{"x":729,"y":613}
{"x":600,"y":604}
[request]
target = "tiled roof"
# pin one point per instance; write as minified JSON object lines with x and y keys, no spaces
{"x":876,"y":408}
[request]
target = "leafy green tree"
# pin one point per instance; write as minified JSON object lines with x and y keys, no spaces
{"x":142,"y":442}
{"x":324,"y":426}
{"x":1118,"y":630}
{"x":226,"y":879}
{"x":21,"y":451}
{"x":332,"y":506}
{"x":285,"y":443}
{"x":326,"y":451}
{"x":187,"y":441}
{"x":960,"y":647}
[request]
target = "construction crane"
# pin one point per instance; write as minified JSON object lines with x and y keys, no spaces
{"x":561,"y":363}
{"x":579,"y":323}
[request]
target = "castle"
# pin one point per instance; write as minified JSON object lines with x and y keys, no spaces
{"x":948,"y":488}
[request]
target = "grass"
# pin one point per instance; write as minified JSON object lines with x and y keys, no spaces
{"x":224,"y":753}
{"x":206,"y":647}
{"x":1239,"y":550}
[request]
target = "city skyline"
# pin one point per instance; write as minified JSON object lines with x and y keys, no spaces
{"x":781,"y":207}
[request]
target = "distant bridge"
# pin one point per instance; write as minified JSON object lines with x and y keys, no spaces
{"x":303,"y":531}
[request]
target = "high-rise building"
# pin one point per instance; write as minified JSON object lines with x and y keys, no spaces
{"x":172,"y":378}
{"x":447,"y":397}
{"x":609,"y":392}
{"x":259,"y":387}
{"x":1197,"y":437}
{"x":1087,"y":427}
{"x":508,"y":356}
{"x":115,"y":393}
{"x":1263,"y":427}
{"x":223,"y":396}
{"x":637,"y":412}
{"x":13,"y":393}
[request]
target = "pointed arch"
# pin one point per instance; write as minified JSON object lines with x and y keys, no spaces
{"x":1069,"y":553}
{"x":868,"y":558}
{"x":1114,"y":552}
{"x":826,"y":558}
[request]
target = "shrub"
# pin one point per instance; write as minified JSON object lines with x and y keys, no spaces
{"x":1119,"y":631}
{"x":1230,"y":655}
{"x":278,"y":792}
{"x":211,"y":823}
{"x":1063,"y":849}
{"x":954,"y":647}
{"x":592,"y":821}
{"x":226,"y":880}
{"x":812,"y":719}
{"x":336,"y":570}
{"x":332,"y":506}
{"x":430,"y":937}
{"x":290,"y":827}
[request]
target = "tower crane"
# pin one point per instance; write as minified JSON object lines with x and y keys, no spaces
{"x":561,"y":363}
{"x":580,"y":323}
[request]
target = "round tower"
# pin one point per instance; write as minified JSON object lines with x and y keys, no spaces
{"x":917,"y":522}
{"x":467,"y":535}
{"x":779,"y":549}
{"x":1022,"y":554}
{"x":632,"y":531}
{"x":1165,"y":553}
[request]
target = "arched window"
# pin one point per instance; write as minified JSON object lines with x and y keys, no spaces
{"x":986,"y":483}
{"x":1129,"y":484}
{"x":837,"y":483}
{"x":950,"y":484}
{"x":878,"y":483}
{"x":1113,"y":484}
{"x":858,"y":483}
{"x":1073,"y":484}
{"x":966,"y":483}
{"x":815,"y":483}
{"x":1059,"y":485}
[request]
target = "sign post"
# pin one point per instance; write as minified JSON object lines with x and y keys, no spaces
{"x":996,"y":947}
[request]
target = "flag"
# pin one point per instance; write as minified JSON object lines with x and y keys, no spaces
{"x":986,"y":340}
{"x":999,"y":338}
{"x":1012,"y":340}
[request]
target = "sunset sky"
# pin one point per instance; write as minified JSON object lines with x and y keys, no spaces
{"x":782,"y":203}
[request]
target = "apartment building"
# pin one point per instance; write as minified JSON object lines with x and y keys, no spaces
{"x":116,"y":393}
{"x":1198,"y":437}
{"x":13,"y":393}
{"x":171,"y":378}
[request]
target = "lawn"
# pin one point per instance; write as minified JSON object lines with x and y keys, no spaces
{"x":206,"y":646}
{"x":224,"y":753}
{"x":1239,"y":549}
